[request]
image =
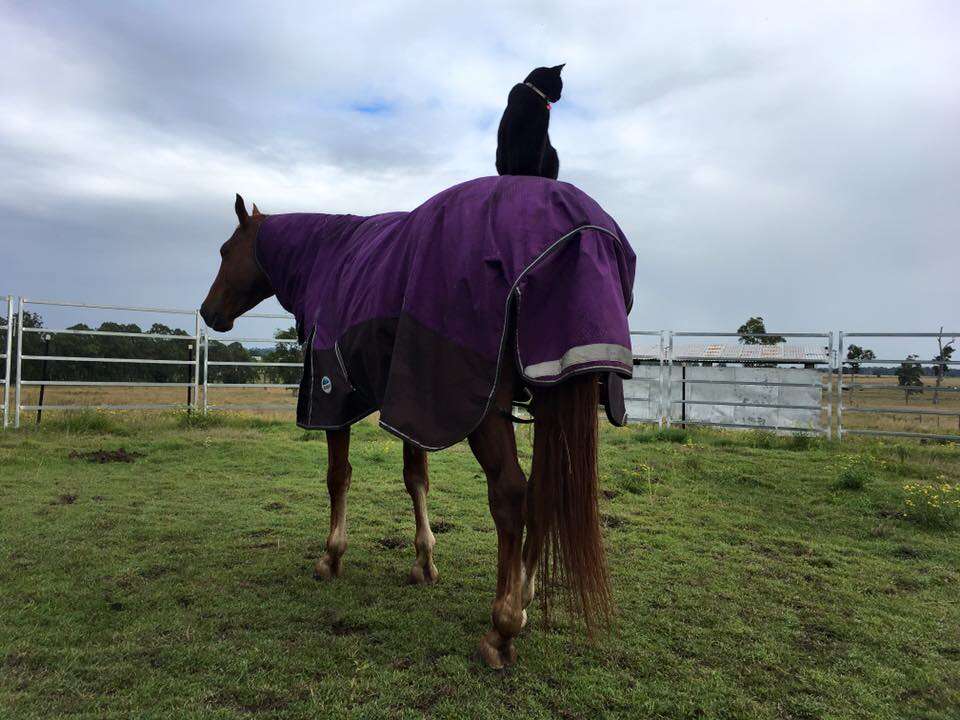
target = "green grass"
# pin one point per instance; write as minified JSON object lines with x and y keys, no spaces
{"x":749,"y":585}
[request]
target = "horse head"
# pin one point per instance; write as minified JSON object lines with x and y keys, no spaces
{"x":240,"y":283}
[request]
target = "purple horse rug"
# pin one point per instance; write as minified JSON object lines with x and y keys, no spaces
{"x":409,"y":313}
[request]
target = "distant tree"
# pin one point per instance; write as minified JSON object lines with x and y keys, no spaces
{"x":285,"y":353}
{"x":909,"y":376}
{"x":755,"y":325}
{"x":746,"y":332}
{"x":942,"y":359}
{"x":234,"y":352}
{"x":32,"y":319}
{"x":855,"y":352}
{"x":32,"y":345}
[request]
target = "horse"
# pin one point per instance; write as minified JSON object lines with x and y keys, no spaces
{"x":548,"y":527}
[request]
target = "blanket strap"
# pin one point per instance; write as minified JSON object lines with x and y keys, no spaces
{"x":514,"y":418}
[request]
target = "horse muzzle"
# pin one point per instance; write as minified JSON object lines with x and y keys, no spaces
{"x":215,"y":320}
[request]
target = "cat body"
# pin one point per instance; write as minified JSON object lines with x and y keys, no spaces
{"x":523,"y":140}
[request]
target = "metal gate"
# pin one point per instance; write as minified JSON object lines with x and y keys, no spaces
{"x":21,"y":383}
{"x":696,"y":385}
{"x":849,"y":407}
{"x":804,"y":394}
{"x":644,"y":393}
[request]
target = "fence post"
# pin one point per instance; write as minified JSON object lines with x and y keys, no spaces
{"x":16,"y":415}
{"x":668,"y":400}
{"x":832,"y":360}
{"x":206,"y":369}
{"x":43,"y":376}
{"x":196,"y":358}
{"x":840,"y":386}
{"x":8,"y":344}
{"x":189,"y":388}
{"x":660,"y":358}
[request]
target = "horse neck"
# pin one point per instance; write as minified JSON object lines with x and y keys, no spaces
{"x":287,"y":250}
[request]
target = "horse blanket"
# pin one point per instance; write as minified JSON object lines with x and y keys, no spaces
{"x":409,"y":313}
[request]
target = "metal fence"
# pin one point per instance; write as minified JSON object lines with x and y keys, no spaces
{"x":208,"y":363}
{"x":700,"y":384}
{"x":197,"y":363}
{"x":854,"y":409}
{"x":42,"y":383}
{"x":653,"y":385}
{"x":775,"y":356}
{"x":671,"y":381}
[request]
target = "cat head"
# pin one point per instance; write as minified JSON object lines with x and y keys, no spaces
{"x":547,"y":80}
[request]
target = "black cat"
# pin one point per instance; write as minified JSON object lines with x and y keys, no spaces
{"x":523,"y":145}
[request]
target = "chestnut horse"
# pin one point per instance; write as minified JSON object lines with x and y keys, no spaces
{"x":557,"y":507}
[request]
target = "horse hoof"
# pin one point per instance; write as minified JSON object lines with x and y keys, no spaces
{"x":326,"y":569}
{"x":523,"y":619}
{"x":424,"y":576}
{"x":497,"y":654}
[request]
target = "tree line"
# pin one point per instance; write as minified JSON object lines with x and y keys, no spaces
{"x":148,"y":348}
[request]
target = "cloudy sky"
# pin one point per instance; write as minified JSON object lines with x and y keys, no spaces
{"x":799,"y":161}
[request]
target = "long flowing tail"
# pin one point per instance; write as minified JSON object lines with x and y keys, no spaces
{"x":563,"y":521}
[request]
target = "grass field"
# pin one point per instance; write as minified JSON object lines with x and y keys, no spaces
{"x":749,"y":583}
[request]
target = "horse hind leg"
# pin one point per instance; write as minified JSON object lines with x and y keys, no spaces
{"x":494,"y":446}
{"x":417,"y":482}
{"x":531,"y":559}
{"x":338,"y":482}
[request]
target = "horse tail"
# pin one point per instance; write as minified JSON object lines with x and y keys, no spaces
{"x":563,"y":520}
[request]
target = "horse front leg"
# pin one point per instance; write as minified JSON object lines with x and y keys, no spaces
{"x":494,"y":446}
{"x":338,"y":482}
{"x":417,"y":482}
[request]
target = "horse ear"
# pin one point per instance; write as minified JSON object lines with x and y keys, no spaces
{"x":242,"y":216}
{"x":558,"y":68}
{"x":256,"y":211}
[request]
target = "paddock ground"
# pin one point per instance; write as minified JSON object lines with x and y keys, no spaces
{"x":179,"y":585}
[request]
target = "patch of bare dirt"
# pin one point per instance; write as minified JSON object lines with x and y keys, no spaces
{"x":392,"y":543}
{"x":106,"y":456}
{"x":341,"y":627}
{"x":441,"y":526}
{"x":612,"y":522}
{"x":265,"y":546}
{"x":907,"y":552}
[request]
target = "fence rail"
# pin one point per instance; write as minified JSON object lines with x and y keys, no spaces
{"x":659,"y":352}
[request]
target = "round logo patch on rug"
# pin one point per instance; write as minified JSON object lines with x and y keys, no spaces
{"x":326,"y":384}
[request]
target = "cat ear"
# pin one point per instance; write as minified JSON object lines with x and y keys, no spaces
{"x":558,"y":68}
